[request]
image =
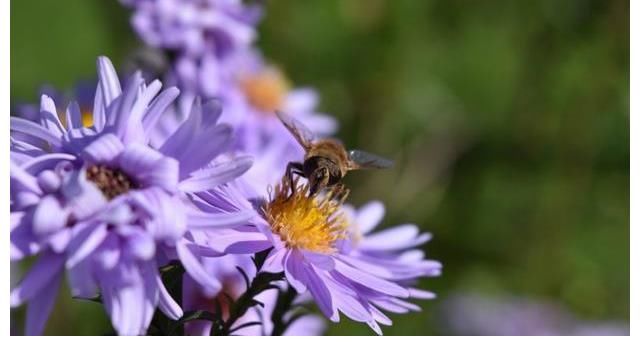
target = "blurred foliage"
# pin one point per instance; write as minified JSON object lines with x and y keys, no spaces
{"x":509,"y":122}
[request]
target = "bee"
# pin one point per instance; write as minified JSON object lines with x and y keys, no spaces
{"x":326,"y":161}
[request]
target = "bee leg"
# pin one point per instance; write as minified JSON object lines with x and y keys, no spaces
{"x":293,"y":167}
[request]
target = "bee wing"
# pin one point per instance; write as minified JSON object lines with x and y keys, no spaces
{"x":361,"y":160}
{"x":303,"y":135}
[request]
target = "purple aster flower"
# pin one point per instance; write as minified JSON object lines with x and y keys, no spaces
{"x":110,"y":209}
{"x":311,"y":242}
{"x":195,"y":27}
{"x":476,"y":314}
{"x":225,"y":270}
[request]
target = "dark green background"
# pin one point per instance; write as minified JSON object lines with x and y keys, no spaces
{"x":509,"y":121}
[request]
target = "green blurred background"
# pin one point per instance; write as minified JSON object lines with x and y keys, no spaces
{"x":509,"y":122}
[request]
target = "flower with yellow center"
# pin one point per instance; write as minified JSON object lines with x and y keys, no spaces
{"x":303,"y":222}
{"x":266,"y":90}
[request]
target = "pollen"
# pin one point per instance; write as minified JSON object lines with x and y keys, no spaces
{"x":111,"y":182}
{"x":310,"y":223}
{"x":266,"y":90}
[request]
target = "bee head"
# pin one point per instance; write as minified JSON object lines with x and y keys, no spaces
{"x":318,"y":180}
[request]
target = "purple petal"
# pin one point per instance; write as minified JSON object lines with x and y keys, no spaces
{"x":142,"y":102}
{"x":49,"y":216}
{"x":85,"y":242}
{"x":370,"y":267}
{"x":421,"y":294}
{"x":320,"y":292}
{"x":108,"y":81}
{"x":293,"y":270}
{"x":41,"y":305}
{"x":370,"y":281}
{"x":128,"y":99}
{"x":195,"y":269}
{"x":210,"y":178}
{"x":99,"y":109}
{"x":369,"y":216}
{"x":320,"y":124}
{"x":46,"y":161}
{"x":274,"y":263}
{"x":20,"y":179}
{"x":318,"y":260}
{"x":49,"y":116}
{"x":103,"y":150}
{"x":49,"y":181}
{"x":130,"y":319}
{"x":48,"y":266}
{"x":142,"y":246}
{"x":81,"y":280}
{"x":60,"y":240}
{"x":164,"y":174}
{"x":203,"y":148}
{"x":395,"y":238}
{"x":158,"y":107}
{"x":166,"y":303}
{"x":73,"y":116}
{"x":200,"y":220}
{"x":137,"y":159}
{"x":32,"y":129}
{"x":301,"y":100}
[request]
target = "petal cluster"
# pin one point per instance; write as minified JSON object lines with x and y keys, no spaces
{"x":108,"y":208}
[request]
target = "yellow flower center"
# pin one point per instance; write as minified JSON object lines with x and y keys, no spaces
{"x":87,"y":119}
{"x":266,"y":90}
{"x":309,"y":223}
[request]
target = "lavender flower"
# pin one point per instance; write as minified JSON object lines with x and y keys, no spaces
{"x":195,"y":27}
{"x":102,"y":204}
{"x":309,"y":240}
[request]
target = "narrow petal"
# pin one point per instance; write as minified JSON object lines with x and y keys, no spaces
{"x":200,"y":220}
{"x":44,"y":270}
{"x":32,"y":129}
{"x":73,"y":116}
{"x":293,"y":271}
{"x":318,"y":260}
{"x":130,"y":94}
{"x":104,"y":149}
{"x":204,"y":147}
{"x":398,"y":237}
{"x":274,"y":263}
{"x":210,"y":178}
{"x":369,"y":216}
{"x":158,"y":107}
{"x":46,"y":161}
{"x":195,"y":269}
{"x":49,"y":116}
{"x":81,"y":280}
{"x":320,"y":292}
{"x":421,"y":294}
{"x":108,"y":81}
{"x":99,"y":109}
{"x":20,"y":179}
{"x":370,"y":281}
{"x":166,"y":303}
{"x":85,"y":242}
{"x":41,"y":305}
